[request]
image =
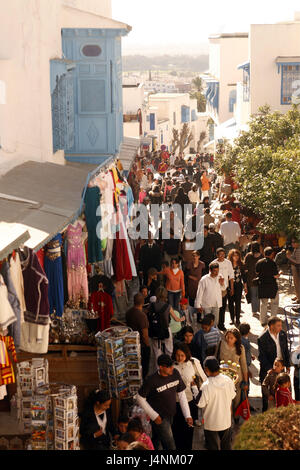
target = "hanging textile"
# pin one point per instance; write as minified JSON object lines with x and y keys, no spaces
{"x":7,"y":375}
{"x":7,"y":315}
{"x":54,"y":273}
{"x":92,"y":201}
{"x":77,"y":275}
{"x":120,"y":260}
{"x":14,"y":329}
{"x":17,"y":279}
{"x":35,"y":288}
{"x":101,"y":302}
{"x":41,"y":257}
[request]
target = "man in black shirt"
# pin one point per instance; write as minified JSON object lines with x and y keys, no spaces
{"x":217,"y":237}
{"x":187,"y":185}
{"x":157,"y":396}
{"x":150,"y":257}
{"x":208,"y":249}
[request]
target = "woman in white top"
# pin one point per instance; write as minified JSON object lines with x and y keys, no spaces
{"x":191,"y":372}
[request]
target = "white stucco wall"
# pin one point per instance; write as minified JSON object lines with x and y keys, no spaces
{"x":167,"y":105}
{"x":225,"y":54}
{"x":265,"y":82}
{"x":133,"y":99}
{"x":30,"y":36}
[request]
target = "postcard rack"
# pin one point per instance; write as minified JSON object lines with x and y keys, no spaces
{"x":119,"y":361}
{"x":47,"y":411}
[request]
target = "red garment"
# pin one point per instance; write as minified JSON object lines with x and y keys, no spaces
{"x":101,"y":302}
{"x":283,"y":397}
{"x":120,"y":259}
{"x":41,"y":256}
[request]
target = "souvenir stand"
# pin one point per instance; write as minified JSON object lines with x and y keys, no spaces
{"x":47,"y":411}
{"x":119,"y":364}
{"x":66,"y":289}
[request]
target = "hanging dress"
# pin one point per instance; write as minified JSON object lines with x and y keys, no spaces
{"x":92,"y":201}
{"x":54,"y":273}
{"x":35,"y":328}
{"x":14,"y":329}
{"x":77,"y":275}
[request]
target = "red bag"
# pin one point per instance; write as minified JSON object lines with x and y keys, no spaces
{"x":243,"y":409}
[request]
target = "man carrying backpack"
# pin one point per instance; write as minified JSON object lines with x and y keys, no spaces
{"x":160,"y":335}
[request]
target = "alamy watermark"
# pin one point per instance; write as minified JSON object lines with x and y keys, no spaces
{"x":161,"y":220}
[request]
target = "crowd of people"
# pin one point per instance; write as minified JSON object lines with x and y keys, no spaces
{"x":180,"y":310}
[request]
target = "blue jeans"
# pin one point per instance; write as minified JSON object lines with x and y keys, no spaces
{"x":162,"y":433}
{"x":173,"y":299}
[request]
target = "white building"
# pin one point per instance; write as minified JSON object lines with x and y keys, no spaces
{"x":172,"y":110}
{"x":160,"y":86}
{"x":226,"y":51}
{"x":269,"y":74}
{"x":60,"y":75}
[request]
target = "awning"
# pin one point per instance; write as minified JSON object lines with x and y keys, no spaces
{"x":41,"y":198}
{"x":244,"y":65}
{"x":12,"y":236}
{"x":128,"y":151}
{"x":287,"y":60}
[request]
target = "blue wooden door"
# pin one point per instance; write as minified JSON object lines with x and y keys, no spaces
{"x":97,"y":90}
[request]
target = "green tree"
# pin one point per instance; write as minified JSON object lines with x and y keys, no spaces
{"x":276,"y":429}
{"x":197,"y":93}
{"x":265,"y":163}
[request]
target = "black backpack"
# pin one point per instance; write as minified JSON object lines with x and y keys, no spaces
{"x":156,"y":328}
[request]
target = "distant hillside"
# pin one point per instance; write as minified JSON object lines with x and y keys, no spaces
{"x":165,"y":62}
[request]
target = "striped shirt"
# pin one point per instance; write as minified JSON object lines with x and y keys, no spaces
{"x":212,"y":337}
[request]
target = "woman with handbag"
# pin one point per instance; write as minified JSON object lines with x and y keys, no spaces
{"x":193,"y":376}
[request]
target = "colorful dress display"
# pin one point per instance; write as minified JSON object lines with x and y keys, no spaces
{"x":77,"y":275}
{"x":54,"y":273}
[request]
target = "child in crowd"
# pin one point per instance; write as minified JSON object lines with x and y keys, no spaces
{"x":153,"y":283}
{"x":145,"y":294}
{"x":283,"y":396}
{"x":124,"y":441}
{"x":245,"y":330}
{"x":121,"y":426}
{"x":184,"y":310}
{"x":211,"y":334}
{"x":136,"y":430}
{"x":269,"y":383}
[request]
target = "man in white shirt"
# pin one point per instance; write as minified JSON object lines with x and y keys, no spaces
{"x":225,"y":271}
{"x":209,"y":293}
{"x":217,"y":393}
{"x":193,"y":195}
{"x":231,"y":233}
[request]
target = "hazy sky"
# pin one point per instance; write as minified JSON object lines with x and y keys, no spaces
{"x":159,"y":23}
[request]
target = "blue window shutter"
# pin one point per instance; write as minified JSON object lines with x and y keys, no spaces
{"x":152,"y":121}
{"x":62,"y":104}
